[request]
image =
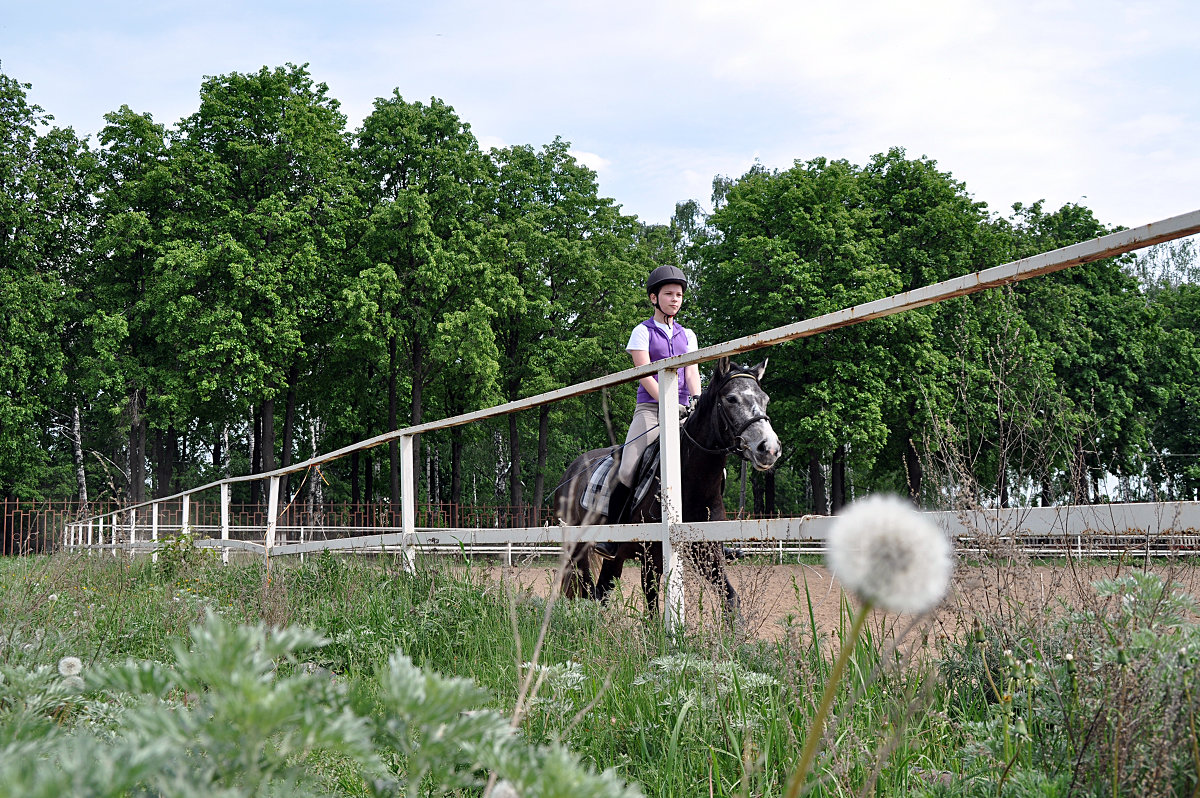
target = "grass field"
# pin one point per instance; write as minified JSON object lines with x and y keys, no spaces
{"x":1094,"y":697}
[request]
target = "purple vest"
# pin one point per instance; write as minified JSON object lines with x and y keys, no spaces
{"x":662,"y":347}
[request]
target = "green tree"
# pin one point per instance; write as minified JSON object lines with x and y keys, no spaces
{"x":423,"y":297}
{"x":136,"y":198}
{"x":1169,"y":274}
{"x":1093,"y":322}
{"x":928,"y":230}
{"x":574,"y":261}
{"x":253,"y":255}
{"x":792,"y":245}
{"x":39,"y":241}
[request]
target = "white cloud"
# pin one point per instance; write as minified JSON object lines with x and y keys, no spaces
{"x":591,"y":160}
{"x":1020,"y":100}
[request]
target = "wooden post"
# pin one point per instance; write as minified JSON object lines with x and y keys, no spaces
{"x":408,"y":501}
{"x":672,"y":494}
{"x":132,"y":531}
{"x":225,"y":521}
{"x":154,"y":531}
{"x":89,"y":538}
{"x":185,"y":512}
{"x":272,"y":510}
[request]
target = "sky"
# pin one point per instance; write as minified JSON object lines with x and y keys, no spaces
{"x":1086,"y":101}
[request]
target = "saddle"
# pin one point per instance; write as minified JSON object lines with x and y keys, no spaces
{"x":603,"y":477}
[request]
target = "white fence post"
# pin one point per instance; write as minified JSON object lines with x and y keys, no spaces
{"x":132,"y":531}
{"x":672,"y":494}
{"x":154,"y":531}
{"x":408,"y":501}
{"x":272,"y":509}
{"x":89,"y":537}
{"x":185,"y":512}
{"x":225,"y":521}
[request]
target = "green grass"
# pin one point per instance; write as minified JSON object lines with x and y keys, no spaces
{"x":699,"y":714}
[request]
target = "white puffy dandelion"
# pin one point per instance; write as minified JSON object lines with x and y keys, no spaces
{"x":73,"y":683}
{"x":883,"y":550}
{"x":70,"y":666}
{"x":505,"y":789}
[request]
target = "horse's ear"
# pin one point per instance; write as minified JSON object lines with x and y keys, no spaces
{"x":760,"y":369}
{"x":722,"y":367}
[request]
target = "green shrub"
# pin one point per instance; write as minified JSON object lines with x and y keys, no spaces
{"x":236,"y":712}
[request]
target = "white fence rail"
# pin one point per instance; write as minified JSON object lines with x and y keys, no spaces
{"x":125,"y":525}
{"x":1156,"y":529}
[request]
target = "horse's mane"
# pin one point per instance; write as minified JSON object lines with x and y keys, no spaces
{"x":708,"y":399}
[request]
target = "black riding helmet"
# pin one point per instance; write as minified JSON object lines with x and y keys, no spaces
{"x":663,"y":275}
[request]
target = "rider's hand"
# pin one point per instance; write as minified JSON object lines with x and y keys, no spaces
{"x":685,"y":411}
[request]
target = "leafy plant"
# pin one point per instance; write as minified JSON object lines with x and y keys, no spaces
{"x":178,"y":554}
{"x":236,"y":713}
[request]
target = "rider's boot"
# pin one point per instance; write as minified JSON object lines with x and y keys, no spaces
{"x":618,"y":502}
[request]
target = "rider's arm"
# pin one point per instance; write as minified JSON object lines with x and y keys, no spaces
{"x":691,"y":376}
{"x":641,"y":357}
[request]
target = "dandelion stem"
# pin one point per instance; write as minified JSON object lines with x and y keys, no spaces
{"x":816,"y":729}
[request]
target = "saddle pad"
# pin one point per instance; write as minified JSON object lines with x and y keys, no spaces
{"x":647,"y":472}
{"x":599,"y":487}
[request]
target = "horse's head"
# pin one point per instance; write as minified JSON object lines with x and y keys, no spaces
{"x":740,"y":405}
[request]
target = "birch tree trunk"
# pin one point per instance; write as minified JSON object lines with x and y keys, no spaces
{"x":77,"y":443}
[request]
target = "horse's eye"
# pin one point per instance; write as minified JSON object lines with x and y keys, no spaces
{"x":731,"y":399}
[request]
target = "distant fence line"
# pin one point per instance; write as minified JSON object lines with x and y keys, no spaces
{"x":1155,"y":529}
{"x":35,"y":526}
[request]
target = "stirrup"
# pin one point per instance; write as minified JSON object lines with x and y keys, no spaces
{"x":607,"y":550}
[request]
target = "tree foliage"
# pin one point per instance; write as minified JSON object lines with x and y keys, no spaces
{"x":254,"y":283}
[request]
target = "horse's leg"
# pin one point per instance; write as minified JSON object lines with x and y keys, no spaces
{"x":575,"y":581}
{"x":610,"y":572}
{"x":718,"y":576}
{"x":581,"y":566}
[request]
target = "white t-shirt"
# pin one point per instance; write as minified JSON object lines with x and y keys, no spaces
{"x":639,"y":340}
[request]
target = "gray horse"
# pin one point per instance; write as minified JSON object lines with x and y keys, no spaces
{"x":729,"y":418}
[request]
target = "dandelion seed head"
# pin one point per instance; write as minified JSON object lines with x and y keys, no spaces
{"x":73,"y":683}
{"x":70,"y":666}
{"x":505,"y":789}
{"x":883,"y":550}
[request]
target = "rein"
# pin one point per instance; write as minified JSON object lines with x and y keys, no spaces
{"x":737,"y":446}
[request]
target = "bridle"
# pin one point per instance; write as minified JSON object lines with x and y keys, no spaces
{"x":738,"y":444}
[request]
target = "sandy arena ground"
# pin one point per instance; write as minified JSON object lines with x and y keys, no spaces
{"x":774,"y":595}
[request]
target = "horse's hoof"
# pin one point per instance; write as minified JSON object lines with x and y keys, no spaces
{"x":606,"y":551}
